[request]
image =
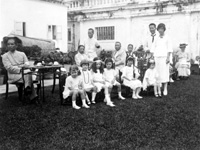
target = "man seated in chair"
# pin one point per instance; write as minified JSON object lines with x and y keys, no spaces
{"x":119,"y":56}
{"x":13,"y":61}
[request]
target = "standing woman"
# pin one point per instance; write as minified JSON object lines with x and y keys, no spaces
{"x":162,"y":49}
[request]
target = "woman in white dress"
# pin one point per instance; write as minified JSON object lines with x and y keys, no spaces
{"x":162,"y":49}
{"x":183,"y":64}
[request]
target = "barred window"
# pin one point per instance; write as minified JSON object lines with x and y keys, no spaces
{"x":105,"y":33}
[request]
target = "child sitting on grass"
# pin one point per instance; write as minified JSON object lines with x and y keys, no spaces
{"x":110,"y":77}
{"x":151,"y":79}
{"x":74,"y":86}
{"x":97,"y":70}
{"x":87,"y":80}
{"x":130,"y":75}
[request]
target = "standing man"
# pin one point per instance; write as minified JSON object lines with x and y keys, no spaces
{"x":13,"y":61}
{"x":119,"y":56}
{"x":91,"y":45}
{"x":151,"y":37}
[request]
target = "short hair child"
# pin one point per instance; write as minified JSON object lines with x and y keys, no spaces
{"x":151,"y":79}
{"x":74,"y":86}
{"x":87,"y":80}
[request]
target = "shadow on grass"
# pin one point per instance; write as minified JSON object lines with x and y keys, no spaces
{"x":169,"y":123}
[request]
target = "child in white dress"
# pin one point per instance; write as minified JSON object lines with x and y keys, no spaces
{"x":110,"y":77}
{"x":87,"y":80}
{"x":97,"y":70}
{"x":151,"y":79}
{"x":130,"y":75}
{"x":74,"y":86}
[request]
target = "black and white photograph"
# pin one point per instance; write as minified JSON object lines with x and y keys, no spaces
{"x":100,"y":75}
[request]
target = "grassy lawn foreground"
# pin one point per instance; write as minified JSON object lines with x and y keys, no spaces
{"x":172,"y":122}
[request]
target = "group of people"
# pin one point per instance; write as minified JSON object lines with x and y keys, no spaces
{"x":91,"y":74}
{"x":95,"y":75}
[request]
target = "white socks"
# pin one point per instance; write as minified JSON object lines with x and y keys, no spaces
{"x":93,"y":97}
{"x":83,"y":104}
{"x":74,"y":105}
{"x":134,"y":96}
{"x":165,"y":89}
{"x":88,"y":100}
{"x":120,"y":96}
{"x":108,"y":101}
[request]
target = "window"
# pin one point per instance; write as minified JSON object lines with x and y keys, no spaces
{"x":54,"y":32}
{"x":69,"y":35}
{"x":20,"y":28}
{"x":105,"y":33}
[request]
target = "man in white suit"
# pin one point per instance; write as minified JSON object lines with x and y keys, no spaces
{"x":91,"y":45}
{"x":13,"y":61}
{"x":119,"y":56}
{"x":151,"y":37}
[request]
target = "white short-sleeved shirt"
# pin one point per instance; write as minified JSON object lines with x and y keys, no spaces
{"x":73,"y":82}
{"x":110,"y":74}
{"x":90,"y":48}
{"x":79,"y":57}
{"x":97,"y":76}
{"x":128,"y":72}
{"x":148,"y":41}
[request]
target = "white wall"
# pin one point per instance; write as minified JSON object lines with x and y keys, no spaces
{"x":181,"y":27}
{"x":37,"y":15}
{"x":106,"y":44}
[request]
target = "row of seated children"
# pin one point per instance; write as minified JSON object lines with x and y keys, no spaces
{"x":100,"y":77}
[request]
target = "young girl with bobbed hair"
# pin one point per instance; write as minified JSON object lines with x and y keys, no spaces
{"x":74,"y":86}
{"x":110,"y":75}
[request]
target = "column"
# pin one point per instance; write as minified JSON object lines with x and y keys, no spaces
{"x":189,"y":32}
{"x":81,"y":32}
{"x":128,"y":30}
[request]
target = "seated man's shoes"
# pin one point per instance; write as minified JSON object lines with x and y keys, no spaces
{"x":28,"y":91}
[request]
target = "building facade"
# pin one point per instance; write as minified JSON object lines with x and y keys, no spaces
{"x":127,"y":21}
{"x":35,"y":19}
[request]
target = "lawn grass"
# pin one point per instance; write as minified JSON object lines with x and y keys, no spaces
{"x":170,"y":123}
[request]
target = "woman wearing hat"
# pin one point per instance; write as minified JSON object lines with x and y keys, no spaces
{"x":183,"y":62}
{"x":162,"y":49}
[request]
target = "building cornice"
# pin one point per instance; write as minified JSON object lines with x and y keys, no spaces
{"x":133,"y":10}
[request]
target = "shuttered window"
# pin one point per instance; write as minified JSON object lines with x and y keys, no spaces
{"x":105,"y":33}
